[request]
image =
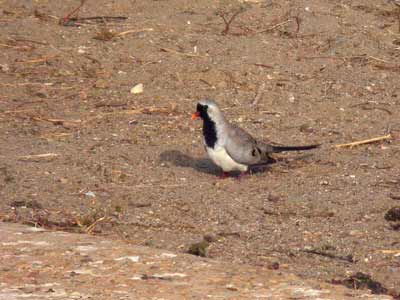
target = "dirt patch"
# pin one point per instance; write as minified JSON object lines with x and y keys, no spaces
{"x":79,"y":149}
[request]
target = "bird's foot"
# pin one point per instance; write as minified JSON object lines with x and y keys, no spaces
{"x":241,"y":175}
{"x":224,"y":175}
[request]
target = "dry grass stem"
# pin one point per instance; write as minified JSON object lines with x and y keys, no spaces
{"x":134,"y":31}
{"x":37,"y":60}
{"x":57,"y":121}
{"x":91,"y":227}
{"x":144,"y":110}
{"x":368,"y":141}
{"x":38,"y":157}
{"x":258,"y":94}
{"x":182,"y":53}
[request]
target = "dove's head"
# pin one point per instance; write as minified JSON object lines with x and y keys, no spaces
{"x":208,"y":109}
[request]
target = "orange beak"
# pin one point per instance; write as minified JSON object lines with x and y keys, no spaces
{"x":195,"y":115}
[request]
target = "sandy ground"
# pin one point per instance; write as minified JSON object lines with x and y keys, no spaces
{"x":54,"y":265}
{"x":80,"y":152}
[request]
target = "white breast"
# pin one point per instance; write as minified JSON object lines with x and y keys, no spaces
{"x":222,"y":159}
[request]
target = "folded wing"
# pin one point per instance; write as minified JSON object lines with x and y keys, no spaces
{"x":243,"y":148}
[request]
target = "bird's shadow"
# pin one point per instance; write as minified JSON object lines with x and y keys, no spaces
{"x":203,"y":165}
{"x":179,"y":159}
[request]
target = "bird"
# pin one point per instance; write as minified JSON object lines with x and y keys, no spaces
{"x":232,"y":148}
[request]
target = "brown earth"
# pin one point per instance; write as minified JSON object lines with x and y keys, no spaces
{"x":40,"y":264}
{"x":80,"y":152}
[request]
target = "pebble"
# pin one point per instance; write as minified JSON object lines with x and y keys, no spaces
{"x":137,"y":89}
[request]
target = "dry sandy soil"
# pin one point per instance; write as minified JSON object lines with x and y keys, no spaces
{"x":80,"y":152}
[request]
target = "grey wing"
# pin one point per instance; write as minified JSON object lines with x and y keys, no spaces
{"x":242,"y":147}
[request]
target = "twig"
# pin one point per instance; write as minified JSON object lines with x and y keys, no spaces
{"x":267,"y":112}
{"x":264,"y":66}
{"x":16,"y":47}
{"x":229,"y":22}
{"x":134,"y":31}
{"x":274,"y":26}
{"x":390,"y":251}
{"x":347,"y":258}
{"x":179,"y":78}
{"x":38,"y":157}
{"x":368,"y":141}
{"x":270,"y":212}
{"x":94,"y":20}
{"x":37,"y":60}
{"x":369,"y":57}
{"x":145,"y":110}
{"x":394,"y":68}
{"x":112,"y":104}
{"x":258,"y":94}
{"x":395,"y":197}
{"x":17,"y":111}
{"x":65,"y":20}
{"x":23,"y":84}
{"x":321,"y":57}
{"x":55,"y":135}
{"x":90,"y":228}
{"x":206,"y":82}
{"x":378,"y":59}
{"x":298,"y":21}
{"x":29,"y":41}
{"x":180,"y":53}
{"x":56,"y":121}
{"x":371,"y":106}
{"x":106,"y":35}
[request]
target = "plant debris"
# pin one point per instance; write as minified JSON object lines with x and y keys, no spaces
{"x":199,"y":249}
{"x":361,"y":281}
{"x":367,"y":141}
{"x":347,"y":258}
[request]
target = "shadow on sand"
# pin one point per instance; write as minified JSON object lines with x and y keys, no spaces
{"x":203,"y":165}
{"x":179,"y":159}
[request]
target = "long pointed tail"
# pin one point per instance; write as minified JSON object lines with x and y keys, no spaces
{"x":277,"y":149}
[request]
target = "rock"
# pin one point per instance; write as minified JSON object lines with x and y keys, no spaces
{"x":393,"y":214}
{"x":137,"y":89}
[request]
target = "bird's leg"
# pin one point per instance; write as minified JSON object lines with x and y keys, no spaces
{"x":223,"y":175}
{"x":241,"y":175}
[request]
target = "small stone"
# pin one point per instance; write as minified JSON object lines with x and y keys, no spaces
{"x":137,"y":89}
{"x":273,"y":266}
{"x":210,"y":238}
{"x":4,"y":68}
{"x":168,"y":275}
{"x":273,"y":197}
{"x":75,"y":295}
{"x":63,"y":180}
{"x":231,"y":287}
{"x":101,"y":84}
{"x":393,"y":214}
{"x":354,"y":232}
{"x":306,"y":128}
{"x":90,"y":194}
{"x":131,"y":258}
{"x":168,"y":255}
